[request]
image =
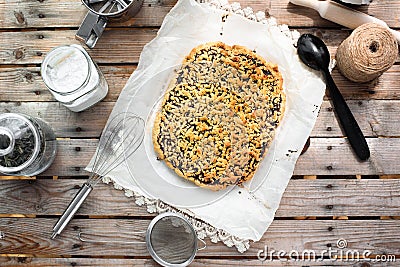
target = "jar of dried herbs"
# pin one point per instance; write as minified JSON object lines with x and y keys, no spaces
{"x":27,"y":145}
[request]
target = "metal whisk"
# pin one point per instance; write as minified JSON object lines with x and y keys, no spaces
{"x":120,"y":139}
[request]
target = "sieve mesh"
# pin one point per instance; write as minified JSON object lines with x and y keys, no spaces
{"x":172,"y":240}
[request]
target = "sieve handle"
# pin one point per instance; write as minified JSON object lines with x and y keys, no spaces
{"x":91,"y":29}
{"x":90,"y":240}
{"x":204,"y":244}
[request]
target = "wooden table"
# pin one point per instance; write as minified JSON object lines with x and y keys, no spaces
{"x":330,"y":196}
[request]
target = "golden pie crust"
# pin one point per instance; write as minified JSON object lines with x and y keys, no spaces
{"x":219,"y":115}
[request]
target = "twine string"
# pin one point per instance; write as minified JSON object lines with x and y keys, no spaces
{"x":367,"y":53}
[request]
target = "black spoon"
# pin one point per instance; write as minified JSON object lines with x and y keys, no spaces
{"x":314,"y":53}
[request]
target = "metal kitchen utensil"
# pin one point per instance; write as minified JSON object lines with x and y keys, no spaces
{"x":100,"y":11}
{"x":120,"y":139}
{"x":170,"y":239}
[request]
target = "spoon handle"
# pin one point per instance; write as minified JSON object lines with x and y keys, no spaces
{"x":347,"y":120}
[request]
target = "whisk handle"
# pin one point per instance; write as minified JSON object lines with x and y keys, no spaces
{"x":72,"y":209}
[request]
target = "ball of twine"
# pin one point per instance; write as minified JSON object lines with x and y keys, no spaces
{"x":367,"y":53}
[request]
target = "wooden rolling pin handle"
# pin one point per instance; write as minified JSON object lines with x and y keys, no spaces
{"x":307,"y":3}
{"x":343,"y":15}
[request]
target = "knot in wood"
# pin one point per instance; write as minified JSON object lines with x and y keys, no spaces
{"x":21,"y":259}
{"x":28,"y":76}
{"x":20,"y":17}
{"x":18,"y":53}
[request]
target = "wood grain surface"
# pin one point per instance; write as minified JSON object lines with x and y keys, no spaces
{"x":331,"y":196}
{"x":56,"y":13}
{"x":200,"y":262}
{"x":116,"y":46}
{"x":23,"y":236}
{"x":326,"y":156}
{"x":320,"y":198}
{"x":375,"y":118}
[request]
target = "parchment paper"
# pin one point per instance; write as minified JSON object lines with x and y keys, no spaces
{"x":242,"y":214}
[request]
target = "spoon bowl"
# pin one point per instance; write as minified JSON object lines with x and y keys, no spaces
{"x":313,"y":52}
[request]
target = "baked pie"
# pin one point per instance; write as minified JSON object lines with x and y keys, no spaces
{"x":219,"y":115}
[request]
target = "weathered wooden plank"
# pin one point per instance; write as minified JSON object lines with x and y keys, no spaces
{"x":30,"y":14}
{"x":53,"y":13}
{"x":23,"y":236}
{"x":65,"y":123}
{"x":326,"y":156}
{"x":321,"y":198}
{"x":334,"y":156}
{"x":115,"y":46}
{"x":72,"y":157}
{"x":119,"y":45}
{"x":385,"y":87}
{"x":25,"y":84}
{"x":375,"y":117}
{"x":339,"y":198}
{"x":198,"y":262}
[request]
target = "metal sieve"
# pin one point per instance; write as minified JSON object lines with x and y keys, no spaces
{"x":170,"y":239}
{"x":100,"y":11}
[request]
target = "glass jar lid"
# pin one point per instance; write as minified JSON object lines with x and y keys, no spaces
{"x":65,"y":69}
{"x":19,"y":142}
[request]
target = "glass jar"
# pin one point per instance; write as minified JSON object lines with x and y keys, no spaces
{"x":73,"y":78}
{"x":27,"y":145}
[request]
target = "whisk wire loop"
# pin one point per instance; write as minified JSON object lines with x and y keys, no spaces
{"x":119,"y":140}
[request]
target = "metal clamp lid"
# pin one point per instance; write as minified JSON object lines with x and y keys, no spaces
{"x":91,"y":29}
